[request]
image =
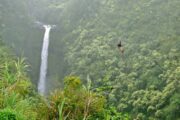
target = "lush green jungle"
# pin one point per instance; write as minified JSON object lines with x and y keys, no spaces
{"x":90,"y":75}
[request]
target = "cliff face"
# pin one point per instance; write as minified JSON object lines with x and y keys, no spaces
{"x":143,"y":81}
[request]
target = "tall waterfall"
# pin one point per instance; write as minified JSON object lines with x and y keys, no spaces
{"x":44,"y":61}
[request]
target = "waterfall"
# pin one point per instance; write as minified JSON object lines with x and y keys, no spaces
{"x":44,"y":61}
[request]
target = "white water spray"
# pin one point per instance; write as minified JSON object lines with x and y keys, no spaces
{"x":44,"y":61}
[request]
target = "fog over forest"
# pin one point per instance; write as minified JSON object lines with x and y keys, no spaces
{"x":89,"y":59}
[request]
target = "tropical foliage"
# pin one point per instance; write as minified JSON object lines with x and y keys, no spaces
{"x":19,"y":101}
{"x":140,"y":84}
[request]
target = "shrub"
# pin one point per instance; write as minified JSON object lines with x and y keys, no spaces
{"x":7,"y":114}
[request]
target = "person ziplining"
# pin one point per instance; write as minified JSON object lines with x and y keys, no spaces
{"x":120,"y":47}
{"x":121,"y":50}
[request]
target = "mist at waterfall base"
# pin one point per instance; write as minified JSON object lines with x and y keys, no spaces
{"x":44,"y":61}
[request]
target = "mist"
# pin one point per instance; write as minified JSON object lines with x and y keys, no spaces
{"x":125,"y":50}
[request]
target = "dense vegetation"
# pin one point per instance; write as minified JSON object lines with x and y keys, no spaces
{"x":141,"y":84}
{"x":19,"y":101}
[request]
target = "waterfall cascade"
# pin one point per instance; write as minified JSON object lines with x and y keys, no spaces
{"x":44,"y":61}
